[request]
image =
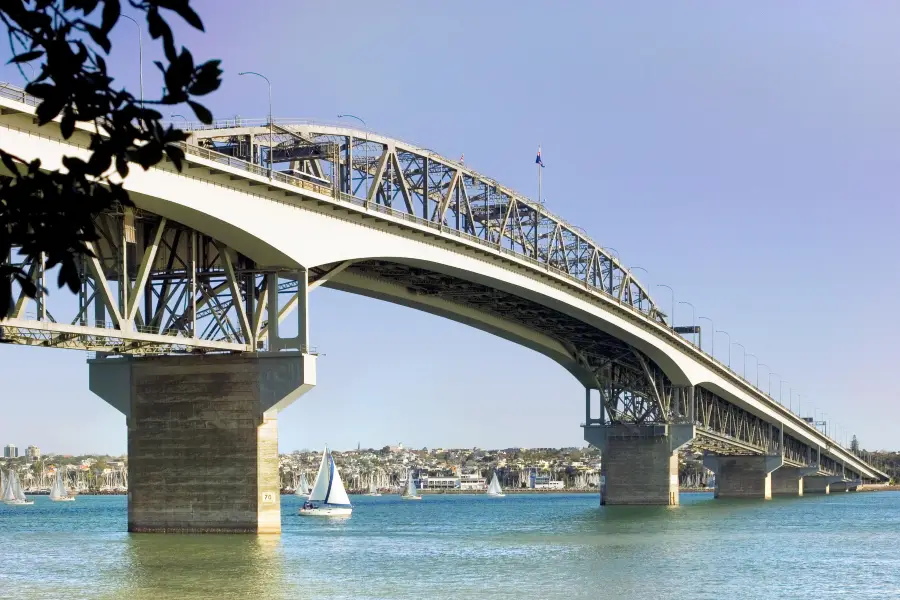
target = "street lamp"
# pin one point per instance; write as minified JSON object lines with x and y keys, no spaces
{"x":781,"y":394}
{"x":770,"y":381}
{"x":365,"y":153}
{"x":173,"y":116}
{"x":744,"y":352}
{"x":672,"y":292}
{"x":758,"y":365}
{"x":140,"y":56}
{"x":271,"y":132}
{"x":712,"y":346}
{"x":729,"y":345}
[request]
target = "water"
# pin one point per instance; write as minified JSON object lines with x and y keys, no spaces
{"x":518,"y":547}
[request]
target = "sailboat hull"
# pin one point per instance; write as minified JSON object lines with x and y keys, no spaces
{"x":496,"y":495}
{"x":67,"y":499}
{"x":326,"y":511}
{"x":19,"y":502}
{"x":410,"y":497}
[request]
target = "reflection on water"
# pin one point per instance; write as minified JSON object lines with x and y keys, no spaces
{"x":203,"y":566}
{"x":518,"y":547}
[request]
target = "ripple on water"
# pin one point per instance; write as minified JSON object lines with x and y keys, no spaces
{"x":547,"y":546}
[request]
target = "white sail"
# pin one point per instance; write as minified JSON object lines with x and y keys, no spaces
{"x":58,"y":489}
{"x":372,"y":488}
{"x":20,"y":495}
{"x":9,"y":493}
{"x":411,"y":487}
{"x":328,"y":487}
{"x":302,"y":486}
{"x":494,"y":488}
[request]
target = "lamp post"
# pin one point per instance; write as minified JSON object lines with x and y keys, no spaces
{"x":365,"y":153}
{"x":672,"y":292}
{"x":781,"y":394}
{"x":729,"y":345}
{"x":744,"y":353}
{"x":174,"y":116}
{"x":140,"y":56}
{"x":712,"y":346}
{"x":271,"y":132}
{"x":758,"y":365}
{"x":770,"y":381}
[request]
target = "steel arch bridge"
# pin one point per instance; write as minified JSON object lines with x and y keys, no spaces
{"x":213,"y":259}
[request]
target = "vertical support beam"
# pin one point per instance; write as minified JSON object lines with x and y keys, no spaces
{"x":425,"y":188}
{"x":303,"y":309}
{"x":743,"y":476}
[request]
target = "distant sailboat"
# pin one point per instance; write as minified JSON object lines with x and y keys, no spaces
{"x":411,"y":492}
{"x":58,"y":490}
{"x":328,"y":497}
{"x":373,"y":491}
{"x":302,"y":486}
{"x":12,"y":491}
{"x":494,"y":488}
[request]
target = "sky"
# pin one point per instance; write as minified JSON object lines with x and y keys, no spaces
{"x":744,"y":154}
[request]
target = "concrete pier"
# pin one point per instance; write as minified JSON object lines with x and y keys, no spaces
{"x":203,"y":437}
{"x":788,"y":481}
{"x":639,"y":464}
{"x":743,"y":476}
{"x":819,"y":484}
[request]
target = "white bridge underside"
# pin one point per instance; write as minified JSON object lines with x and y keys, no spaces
{"x":348,"y":246}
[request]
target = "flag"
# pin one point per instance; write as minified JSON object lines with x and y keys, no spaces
{"x":538,"y":159}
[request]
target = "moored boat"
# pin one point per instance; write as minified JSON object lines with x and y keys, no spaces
{"x":494,"y":490}
{"x":410,"y":493}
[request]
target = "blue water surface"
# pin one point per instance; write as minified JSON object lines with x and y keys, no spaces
{"x":522,"y":546}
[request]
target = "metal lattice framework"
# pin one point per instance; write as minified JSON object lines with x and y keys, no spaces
{"x":416,"y":183}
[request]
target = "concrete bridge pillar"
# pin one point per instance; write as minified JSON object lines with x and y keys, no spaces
{"x":203,"y":436}
{"x":819,"y":484}
{"x":639,"y":464}
{"x":788,"y":481}
{"x":743,"y":476}
{"x":840,"y":486}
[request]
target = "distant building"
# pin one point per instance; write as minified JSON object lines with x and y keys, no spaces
{"x":33,"y":453}
{"x":439,"y":483}
{"x":10,"y":451}
{"x":470,"y":481}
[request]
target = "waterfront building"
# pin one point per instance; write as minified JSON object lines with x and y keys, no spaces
{"x":10,"y":451}
{"x":472,"y":481}
{"x":438,"y":483}
{"x":33,"y":453}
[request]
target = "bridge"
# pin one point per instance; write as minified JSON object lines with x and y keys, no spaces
{"x":195,"y":310}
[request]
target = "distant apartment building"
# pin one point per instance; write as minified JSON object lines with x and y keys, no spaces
{"x":10,"y":451}
{"x":33,"y":453}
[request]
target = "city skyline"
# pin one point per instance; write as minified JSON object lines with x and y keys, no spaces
{"x":763,"y":177}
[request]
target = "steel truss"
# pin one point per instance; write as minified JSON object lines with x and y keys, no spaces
{"x":411,"y":182}
{"x":155,"y":286}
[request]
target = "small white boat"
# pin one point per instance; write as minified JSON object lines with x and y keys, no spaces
{"x":328,"y":497}
{"x":373,"y":491}
{"x":494,"y":490}
{"x":58,"y":491}
{"x":411,"y":492}
{"x":12,"y":491}
{"x":302,"y":488}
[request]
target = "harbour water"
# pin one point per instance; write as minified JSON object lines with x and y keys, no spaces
{"x":529,"y":546}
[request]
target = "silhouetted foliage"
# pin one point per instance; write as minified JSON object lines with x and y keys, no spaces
{"x":51,"y":212}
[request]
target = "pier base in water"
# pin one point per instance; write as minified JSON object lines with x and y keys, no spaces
{"x":639,"y":464}
{"x":203,"y":437}
{"x":743,"y":476}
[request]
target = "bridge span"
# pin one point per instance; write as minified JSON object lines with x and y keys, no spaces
{"x":196,"y":308}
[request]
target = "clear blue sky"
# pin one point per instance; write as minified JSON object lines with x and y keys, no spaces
{"x":745,"y":154}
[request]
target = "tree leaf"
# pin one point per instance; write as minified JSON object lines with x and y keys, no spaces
{"x":26,"y":56}
{"x":201,"y":111}
{"x":111,"y":11}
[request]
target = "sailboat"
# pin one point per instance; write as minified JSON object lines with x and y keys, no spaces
{"x":328,"y":497}
{"x":12,"y":492}
{"x":494,"y":488}
{"x":373,"y":491}
{"x":58,"y":491}
{"x":302,"y":486}
{"x":411,"y":492}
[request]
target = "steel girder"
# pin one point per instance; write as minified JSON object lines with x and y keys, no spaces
{"x":153,"y":286}
{"x":416,"y":183}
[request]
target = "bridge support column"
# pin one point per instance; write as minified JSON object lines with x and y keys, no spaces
{"x":639,"y":464}
{"x":743,"y":476}
{"x":819,"y":484}
{"x":788,"y":481}
{"x":203,"y":436}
